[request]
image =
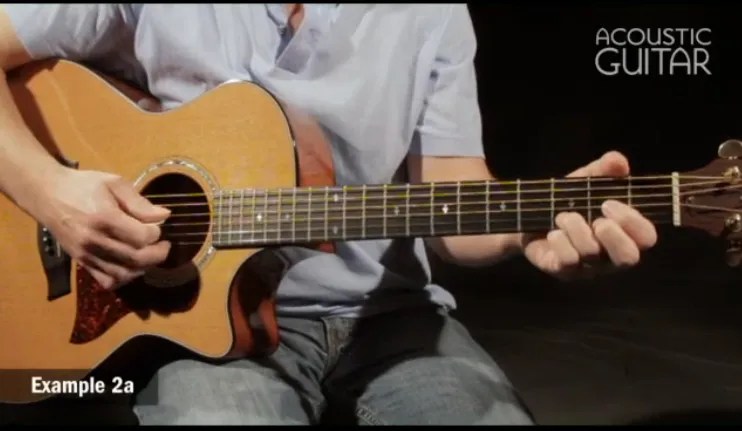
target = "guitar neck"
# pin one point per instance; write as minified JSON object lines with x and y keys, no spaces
{"x":261,"y":217}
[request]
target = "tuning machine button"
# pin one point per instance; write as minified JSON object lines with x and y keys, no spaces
{"x":730,"y":149}
{"x":734,"y":223}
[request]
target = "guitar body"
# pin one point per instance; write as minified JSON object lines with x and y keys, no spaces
{"x":218,"y":303}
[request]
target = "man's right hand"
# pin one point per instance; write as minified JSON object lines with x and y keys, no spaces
{"x":101,"y":221}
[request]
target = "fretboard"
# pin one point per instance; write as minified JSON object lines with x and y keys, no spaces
{"x":259,"y":217}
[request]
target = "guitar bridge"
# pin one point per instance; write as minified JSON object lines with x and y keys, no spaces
{"x":57,"y":265}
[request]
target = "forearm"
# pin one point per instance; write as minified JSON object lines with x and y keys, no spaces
{"x":480,"y":250}
{"x":24,"y":163}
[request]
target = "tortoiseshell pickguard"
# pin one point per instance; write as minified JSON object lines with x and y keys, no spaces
{"x":99,"y":309}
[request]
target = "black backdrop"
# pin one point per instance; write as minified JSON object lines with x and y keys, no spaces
{"x":659,"y":343}
{"x":541,"y":94}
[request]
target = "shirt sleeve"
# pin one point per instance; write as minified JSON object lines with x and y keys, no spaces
{"x":450,"y":123}
{"x":77,"y":32}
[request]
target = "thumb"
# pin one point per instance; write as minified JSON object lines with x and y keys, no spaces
{"x":611,"y":164}
{"x":136,"y":205}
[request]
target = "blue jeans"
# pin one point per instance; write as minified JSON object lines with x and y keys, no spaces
{"x":408,"y":367}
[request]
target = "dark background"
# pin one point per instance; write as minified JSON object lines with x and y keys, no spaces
{"x":659,"y":343}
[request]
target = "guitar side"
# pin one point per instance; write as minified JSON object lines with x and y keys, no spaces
{"x":234,"y":137}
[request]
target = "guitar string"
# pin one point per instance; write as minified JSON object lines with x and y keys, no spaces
{"x":493,"y":182}
{"x":266,"y":200}
{"x":425,"y":212}
{"x":273,"y":198}
{"x":398,"y":218}
{"x":304,"y":231}
{"x":659,"y":217}
{"x":222,"y":213}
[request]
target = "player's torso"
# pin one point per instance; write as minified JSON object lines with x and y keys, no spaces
{"x":361,"y":70}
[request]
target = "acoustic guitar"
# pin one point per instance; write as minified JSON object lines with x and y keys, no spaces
{"x":243,"y":172}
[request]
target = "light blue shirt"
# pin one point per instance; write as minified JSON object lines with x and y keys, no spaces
{"x":386,"y":81}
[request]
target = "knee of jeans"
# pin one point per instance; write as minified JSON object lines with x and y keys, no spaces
{"x":441,"y":391}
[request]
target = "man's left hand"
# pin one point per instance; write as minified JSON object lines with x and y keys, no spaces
{"x":576,"y":248}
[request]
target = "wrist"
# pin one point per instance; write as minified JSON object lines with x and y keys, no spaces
{"x":37,"y":188}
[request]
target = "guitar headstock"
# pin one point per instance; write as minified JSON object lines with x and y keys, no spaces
{"x":710,"y":198}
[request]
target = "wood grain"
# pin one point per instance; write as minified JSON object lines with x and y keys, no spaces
{"x":237,"y":136}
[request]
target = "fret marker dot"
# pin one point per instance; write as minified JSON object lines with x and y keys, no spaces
{"x":445,"y":209}
{"x":335,"y":230}
{"x":335,"y":197}
{"x":259,"y":217}
{"x":396,"y":211}
{"x":287,"y":217}
{"x":503,"y":206}
{"x":571,"y":203}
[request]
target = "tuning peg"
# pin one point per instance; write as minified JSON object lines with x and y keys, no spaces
{"x":730,"y":149}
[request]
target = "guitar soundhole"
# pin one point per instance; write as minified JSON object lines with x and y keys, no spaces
{"x":188,"y":224}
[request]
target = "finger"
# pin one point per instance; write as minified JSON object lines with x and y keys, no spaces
{"x":136,"y":205}
{"x":568,"y":258}
{"x":104,"y":280}
{"x":154,"y":254}
{"x":579,"y":234}
{"x":127,"y":256}
{"x":641,"y":230}
{"x":127,"y":229}
{"x":618,"y":245}
{"x":611,"y":164}
{"x":119,"y":274}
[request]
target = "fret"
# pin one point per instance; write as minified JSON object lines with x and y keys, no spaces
{"x":355,"y":212}
{"x":373,"y":213}
{"x":335,"y":215}
{"x":384,"y":205}
{"x":472,"y":208}
{"x":253,"y":216}
{"x":589,"y":203}
{"x":518,"y":212}
{"x":407,"y":212}
{"x":487,"y":206}
{"x":229,"y":218}
{"x":628,"y":191}
{"x":265,"y":216}
{"x":218,"y":227}
{"x":675,"y":199}
{"x":432,"y":209}
{"x":242,"y":217}
{"x":537,"y":205}
{"x":344,"y":217}
{"x":458,"y":207}
{"x":395,"y":216}
{"x":279,"y":218}
{"x":447,"y":208}
{"x":648,"y":195}
{"x":503,"y":207}
{"x":418,"y":198}
{"x":363,"y":212}
{"x":309,"y":215}
{"x":293,"y":215}
{"x":327,"y":214}
{"x":552,"y":215}
{"x":570,"y":196}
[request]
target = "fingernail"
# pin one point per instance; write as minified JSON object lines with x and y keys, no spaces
{"x":611,"y":208}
